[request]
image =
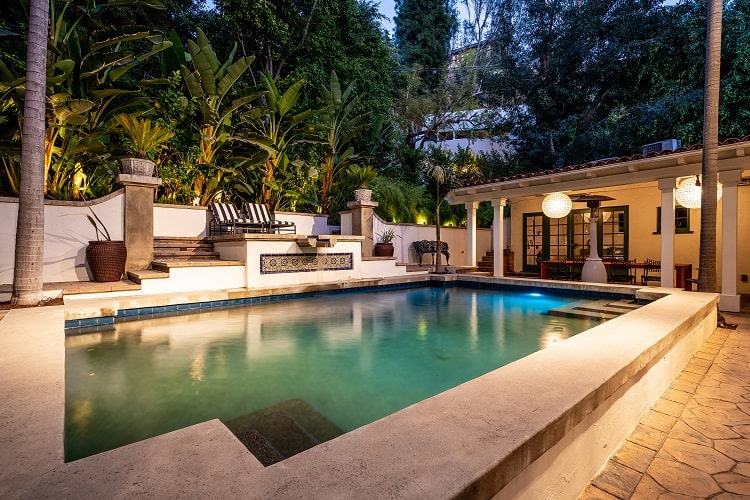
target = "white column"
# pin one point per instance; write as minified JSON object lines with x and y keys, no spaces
{"x":667,"y":186}
{"x":471,"y":233}
{"x":729,"y":300}
{"x":498,"y":236}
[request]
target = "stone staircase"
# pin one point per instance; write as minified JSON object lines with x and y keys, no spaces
{"x":187,"y":262}
{"x":183,"y":249}
{"x":487,"y":264}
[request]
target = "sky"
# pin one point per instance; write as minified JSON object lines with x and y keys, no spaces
{"x":387,"y":8}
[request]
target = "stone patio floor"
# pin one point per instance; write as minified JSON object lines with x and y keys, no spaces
{"x":695,"y":441}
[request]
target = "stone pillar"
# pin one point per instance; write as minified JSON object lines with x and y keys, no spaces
{"x":471,"y":233}
{"x":362,"y":214}
{"x":729,"y":300}
{"x":498,"y":236}
{"x":139,"y":219}
{"x":667,"y":186}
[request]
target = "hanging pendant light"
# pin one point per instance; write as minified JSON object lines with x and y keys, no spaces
{"x":688,"y":192}
{"x":556,"y":205}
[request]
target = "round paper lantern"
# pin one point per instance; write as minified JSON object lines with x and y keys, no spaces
{"x":688,"y":192}
{"x":556,"y":205}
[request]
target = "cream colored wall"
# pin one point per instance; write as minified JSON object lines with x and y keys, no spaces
{"x":642,"y":200}
{"x":743,"y":240}
{"x":455,"y":237}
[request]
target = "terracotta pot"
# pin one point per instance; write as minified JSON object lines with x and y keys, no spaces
{"x":137,"y":166}
{"x":106,"y":260}
{"x":383,"y":250}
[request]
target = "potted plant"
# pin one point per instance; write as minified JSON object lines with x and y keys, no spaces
{"x":145,"y":138}
{"x":384,"y":246}
{"x":105,"y":257}
{"x":362,"y":175}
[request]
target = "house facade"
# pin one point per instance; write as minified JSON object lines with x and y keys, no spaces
{"x":641,"y":221}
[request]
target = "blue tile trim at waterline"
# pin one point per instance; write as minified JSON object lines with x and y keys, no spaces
{"x":87,"y":325}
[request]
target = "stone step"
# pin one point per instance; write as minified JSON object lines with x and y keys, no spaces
{"x":161,"y":243}
{"x":595,"y":309}
{"x":160,"y":254}
{"x":187,"y":249}
{"x":282,"y":430}
{"x":165,"y":265}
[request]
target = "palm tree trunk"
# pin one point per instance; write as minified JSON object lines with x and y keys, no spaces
{"x":29,"y":259}
{"x":707,"y":278}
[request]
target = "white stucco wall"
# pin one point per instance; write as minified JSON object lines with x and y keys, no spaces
{"x":67,"y":231}
{"x":181,"y":220}
{"x":456,"y":237}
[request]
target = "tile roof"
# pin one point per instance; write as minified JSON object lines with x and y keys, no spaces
{"x":599,"y":163}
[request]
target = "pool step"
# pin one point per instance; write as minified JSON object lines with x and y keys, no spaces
{"x":282,"y":430}
{"x":595,"y":309}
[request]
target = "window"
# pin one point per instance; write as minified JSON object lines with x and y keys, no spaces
{"x":534,"y":239}
{"x":567,"y":238}
{"x":681,"y":220}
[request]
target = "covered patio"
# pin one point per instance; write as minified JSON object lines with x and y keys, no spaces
{"x":640,"y":186}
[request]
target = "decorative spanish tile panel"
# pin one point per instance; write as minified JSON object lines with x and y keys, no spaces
{"x":274,"y":263}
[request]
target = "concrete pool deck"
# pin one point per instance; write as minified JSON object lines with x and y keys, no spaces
{"x":440,"y":445}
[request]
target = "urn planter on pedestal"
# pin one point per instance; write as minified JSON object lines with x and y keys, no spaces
{"x":144,"y":138}
{"x":362,"y":176}
{"x":137,"y":166}
{"x":362,"y":194}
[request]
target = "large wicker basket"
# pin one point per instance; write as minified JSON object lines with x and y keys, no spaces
{"x":106,"y":260}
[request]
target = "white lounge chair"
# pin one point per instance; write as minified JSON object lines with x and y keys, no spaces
{"x":261,"y":213}
{"x":227,"y":220}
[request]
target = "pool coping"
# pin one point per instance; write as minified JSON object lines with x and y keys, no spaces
{"x":462,"y":443}
{"x":91,"y":315}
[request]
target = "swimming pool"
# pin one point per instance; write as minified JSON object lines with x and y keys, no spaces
{"x":325,"y":364}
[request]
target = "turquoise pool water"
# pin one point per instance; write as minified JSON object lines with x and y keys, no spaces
{"x":352,"y":357}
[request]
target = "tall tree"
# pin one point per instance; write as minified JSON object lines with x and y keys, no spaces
{"x":341,"y":124}
{"x":275,"y":125}
{"x":439,"y":178}
{"x":707,"y":279}
{"x":423,"y":32}
{"x":29,"y":258}
{"x":570,"y":64}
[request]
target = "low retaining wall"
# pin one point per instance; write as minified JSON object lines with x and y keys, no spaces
{"x":67,"y":231}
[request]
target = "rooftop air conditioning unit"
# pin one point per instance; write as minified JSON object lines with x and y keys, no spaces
{"x":668,"y":145}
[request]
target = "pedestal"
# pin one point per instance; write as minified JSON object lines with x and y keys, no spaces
{"x":362,"y":214}
{"x":139,"y":219}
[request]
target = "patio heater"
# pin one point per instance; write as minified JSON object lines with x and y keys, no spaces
{"x":593,"y":269}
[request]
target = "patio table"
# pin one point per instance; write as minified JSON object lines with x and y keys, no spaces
{"x":684,"y":272}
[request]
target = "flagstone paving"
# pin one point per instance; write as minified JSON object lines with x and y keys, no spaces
{"x":695,"y":440}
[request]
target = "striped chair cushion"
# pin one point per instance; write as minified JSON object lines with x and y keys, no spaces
{"x":226,"y":213}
